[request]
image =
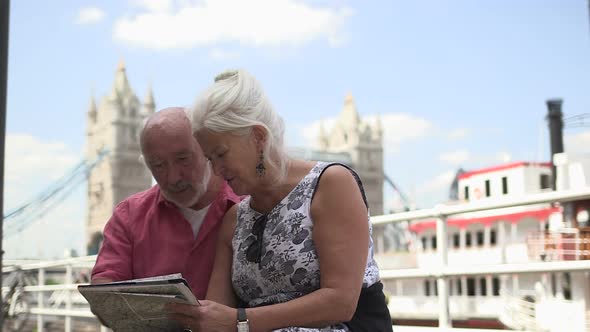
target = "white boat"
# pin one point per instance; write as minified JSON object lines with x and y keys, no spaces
{"x":527,"y":234}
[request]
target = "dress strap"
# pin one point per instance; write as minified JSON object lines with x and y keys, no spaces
{"x":352,"y":171}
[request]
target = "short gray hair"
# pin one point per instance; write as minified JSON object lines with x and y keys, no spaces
{"x":146,"y":120}
{"x":234,"y":104}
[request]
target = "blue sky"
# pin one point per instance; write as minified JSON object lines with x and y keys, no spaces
{"x":457,"y":83}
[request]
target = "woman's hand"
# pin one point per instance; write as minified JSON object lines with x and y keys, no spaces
{"x":208,"y":317}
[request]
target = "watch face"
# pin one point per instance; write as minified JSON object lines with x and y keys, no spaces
{"x":243,"y":327}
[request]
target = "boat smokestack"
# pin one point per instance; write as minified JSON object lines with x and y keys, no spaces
{"x":555,"y":121}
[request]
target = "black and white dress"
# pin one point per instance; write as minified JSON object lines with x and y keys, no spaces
{"x":278,"y":262}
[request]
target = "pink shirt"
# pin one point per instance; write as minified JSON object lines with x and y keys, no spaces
{"x":148,"y":236}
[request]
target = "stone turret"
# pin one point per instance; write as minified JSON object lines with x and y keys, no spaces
{"x":378,"y":131}
{"x":349,"y":117}
{"x":149,"y":105}
{"x":114,"y":125}
{"x":92,"y":110}
{"x":121,"y":87}
{"x":364,"y":145}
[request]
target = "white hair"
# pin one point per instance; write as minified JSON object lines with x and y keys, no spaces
{"x":234,"y":104}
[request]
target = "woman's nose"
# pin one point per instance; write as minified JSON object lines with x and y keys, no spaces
{"x":216,"y":166}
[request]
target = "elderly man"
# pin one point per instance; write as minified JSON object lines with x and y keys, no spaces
{"x":172,"y":227}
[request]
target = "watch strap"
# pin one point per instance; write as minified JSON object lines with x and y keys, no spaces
{"x":242,"y":315}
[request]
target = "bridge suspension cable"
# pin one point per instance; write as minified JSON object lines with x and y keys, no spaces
{"x":405,"y":200}
{"x":577,"y":121}
{"x":21,"y":217}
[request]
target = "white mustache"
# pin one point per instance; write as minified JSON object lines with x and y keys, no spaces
{"x":179,"y":186}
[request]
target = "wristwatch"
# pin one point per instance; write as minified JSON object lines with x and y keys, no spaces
{"x":243,"y":325}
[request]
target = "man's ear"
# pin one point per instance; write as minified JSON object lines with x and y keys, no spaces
{"x":260,"y":135}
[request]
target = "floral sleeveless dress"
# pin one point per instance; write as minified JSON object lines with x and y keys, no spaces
{"x":278,"y":262}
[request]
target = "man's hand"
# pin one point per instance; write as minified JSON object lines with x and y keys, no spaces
{"x":97,"y":281}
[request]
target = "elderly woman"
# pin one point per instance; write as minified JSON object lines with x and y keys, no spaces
{"x":296,"y":254}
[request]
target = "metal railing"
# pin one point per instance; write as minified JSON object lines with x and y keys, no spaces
{"x":565,"y":244}
{"x":443,"y":271}
{"x":62,"y":299}
{"x":520,"y":314}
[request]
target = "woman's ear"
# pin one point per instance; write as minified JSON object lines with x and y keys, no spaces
{"x":259,"y":134}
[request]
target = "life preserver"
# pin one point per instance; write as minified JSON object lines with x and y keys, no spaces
{"x":477,"y":193}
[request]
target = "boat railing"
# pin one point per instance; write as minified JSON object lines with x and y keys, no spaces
{"x":442,"y":271}
{"x":58,"y":280}
{"x":519,"y":314}
{"x":558,"y":245}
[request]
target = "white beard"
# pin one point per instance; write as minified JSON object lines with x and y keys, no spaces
{"x":200,"y":189}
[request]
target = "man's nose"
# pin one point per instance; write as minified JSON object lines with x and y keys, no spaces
{"x":174,"y":174}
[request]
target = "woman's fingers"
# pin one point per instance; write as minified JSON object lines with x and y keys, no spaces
{"x":185,"y":314}
{"x":183,"y":309}
{"x":184,"y":320}
{"x":209,"y":316}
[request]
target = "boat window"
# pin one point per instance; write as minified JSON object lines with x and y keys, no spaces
{"x":496,"y":286}
{"x":479,"y":238}
{"x":427,"y":287}
{"x":470,"y":287}
{"x":456,"y":242}
{"x":566,"y":285}
{"x":545,"y":181}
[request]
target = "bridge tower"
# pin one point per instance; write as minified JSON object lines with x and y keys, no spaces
{"x":114,"y":124}
{"x":364,"y":143}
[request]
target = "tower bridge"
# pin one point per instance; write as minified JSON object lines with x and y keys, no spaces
{"x":113,"y":170}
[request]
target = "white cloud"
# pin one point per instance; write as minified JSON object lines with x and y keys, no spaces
{"x":578,"y":143}
{"x":154,"y":5}
{"x":397,"y":128}
{"x":465,"y":158}
{"x":503,"y":157}
{"x":219,"y":54}
{"x":457,"y":157}
{"x":459,"y":133}
{"x":31,"y":166}
{"x":31,"y":162}
{"x":257,"y":23}
{"x":491,"y":159}
{"x":439,"y":183}
{"x":48,"y":236}
{"x":400,"y":127}
{"x":311,"y":132}
{"x":90,"y":15}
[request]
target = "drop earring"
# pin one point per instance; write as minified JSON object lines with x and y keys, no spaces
{"x":260,"y":168}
